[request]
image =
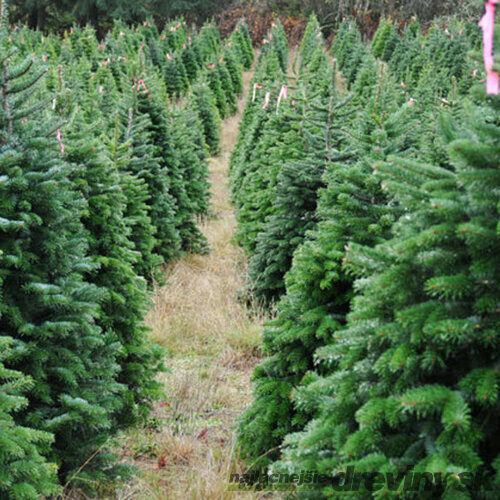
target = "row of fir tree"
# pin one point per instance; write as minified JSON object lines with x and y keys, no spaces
{"x":368,"y":204}
{"x":103,"y":176}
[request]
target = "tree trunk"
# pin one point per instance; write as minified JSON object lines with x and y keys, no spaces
{"x":41,"y":17}
{"x":94,"y":15}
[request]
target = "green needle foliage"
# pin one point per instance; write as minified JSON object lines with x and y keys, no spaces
{"x":415,"y":384}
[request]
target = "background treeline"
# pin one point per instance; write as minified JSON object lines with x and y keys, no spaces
{"x":102,"y":181}
{"x":61,"y":14}
{"x":369,"y":207}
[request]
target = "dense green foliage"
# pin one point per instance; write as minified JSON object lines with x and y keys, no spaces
{"x":102,"y":181}
{"x":60,"y":14}
{"x":383,"y":350}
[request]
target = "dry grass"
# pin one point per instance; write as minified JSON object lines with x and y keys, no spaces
{"x":187,"y":449}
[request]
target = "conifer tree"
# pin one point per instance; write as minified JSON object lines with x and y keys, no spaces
{"x":317,"y":142}
{"x":137,"y":210}
{"x":177,"y":158}
{"x":235,"y":70}
{"x":202,"y":101}
{"x":216,"y":86}
{"x":25,"y":473}
{"x":352,"y":207}
{"x":143,"y":126}
{"x":124,"y":304}
{"x":349,"y":50}
{"x":416,"y":385}
{"x":227,"y":87}
{"x":268,"y":76}
{"x":50,"y":308}
{"x":242,"y":43}
{"x":175,"y":76}
{"x":208,"y":41}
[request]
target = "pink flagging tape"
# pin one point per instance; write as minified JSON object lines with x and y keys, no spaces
{"x":268,"y":100}
{"x":487,"y":24}
{"x":61,"y":144}
{"x":255,"y":87}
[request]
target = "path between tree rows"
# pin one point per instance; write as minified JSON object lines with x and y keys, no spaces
{"x":188,"y":448}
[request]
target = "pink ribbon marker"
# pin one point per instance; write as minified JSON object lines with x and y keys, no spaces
{"x":141,"y":84}
{"x":283,"y":95}
{"x":268,"y":100}
{"x":487,"y":23}
{"x":59,"y":138}
{"x":255,"y":87}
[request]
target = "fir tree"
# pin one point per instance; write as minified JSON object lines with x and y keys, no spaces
{"x":24,"y":471}
{"x":318,"y":141}
{"x":235,"y":70}
{"x":124,"y":304}
{"x":143,"y":126}
{"x":415,"y":384}
{"x":352,"y":207}
{"x":216,"y":86}
{"x":202,"y":101}
{"x":50,"y":308}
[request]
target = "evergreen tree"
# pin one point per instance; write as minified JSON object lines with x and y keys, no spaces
{"x":50,"y":309}
{"x":227,"y":87}
{"x":124,"y":304}
{"x":235,"y":70}
{"x":202,"y":101}
{"x":24,"y":471}
{"x":352,"y":207}
{"x":416,"y":385}
{"x":142,"y":122}
{"x":137,"y":210}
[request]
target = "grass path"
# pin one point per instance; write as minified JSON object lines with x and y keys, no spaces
{"x":187,"y":450}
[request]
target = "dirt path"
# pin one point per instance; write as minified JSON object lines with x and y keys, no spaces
{"x":188,"y":448}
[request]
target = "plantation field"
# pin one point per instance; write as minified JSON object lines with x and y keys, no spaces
{"x":230,"y":270}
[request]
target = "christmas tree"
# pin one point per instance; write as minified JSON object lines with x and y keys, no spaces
{"x":24,"y":471}
{"x":50,"y":308}
{"x":202,"y":101}
{"x":352,"y":207}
